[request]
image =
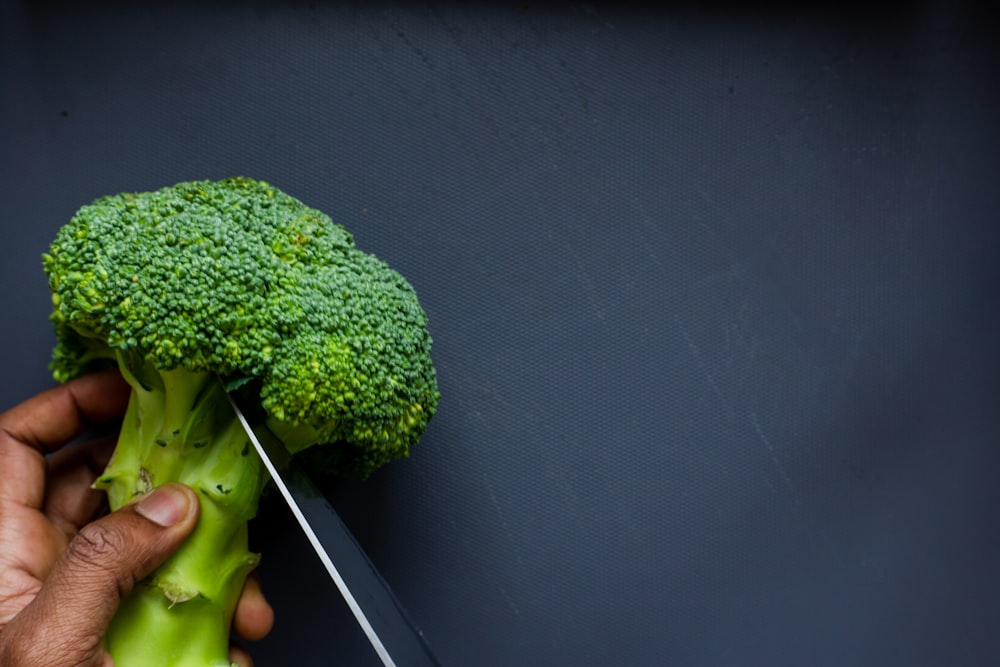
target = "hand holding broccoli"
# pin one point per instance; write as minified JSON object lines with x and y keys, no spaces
{"x":61,"y":575}
{"x":237,"y":280}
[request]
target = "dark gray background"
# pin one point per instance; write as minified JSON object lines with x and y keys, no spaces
{"x":713,"y":294}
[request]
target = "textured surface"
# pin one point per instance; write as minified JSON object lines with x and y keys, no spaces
{"x":713,"y":297}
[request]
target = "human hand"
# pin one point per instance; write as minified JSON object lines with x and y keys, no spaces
{"x":63,"y":573}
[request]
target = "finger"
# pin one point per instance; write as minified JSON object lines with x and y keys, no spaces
{"x":254,"y":617}
{"x":239,"y":657}
{"x":29,"y":544}
{"x":31,"y":540}
{"x":70,"y":502}
{"x":63,"y":625}
{"x":47,"y":422}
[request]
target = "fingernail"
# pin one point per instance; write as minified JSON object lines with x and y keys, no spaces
{"x":165,"y":506}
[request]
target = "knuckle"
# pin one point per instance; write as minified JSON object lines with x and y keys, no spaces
{"x":101,"y":553}
{"x":96,"y":545}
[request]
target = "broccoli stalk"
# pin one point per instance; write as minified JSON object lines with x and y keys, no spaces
{"x":179,"y":426}
{"x":230,"y":279}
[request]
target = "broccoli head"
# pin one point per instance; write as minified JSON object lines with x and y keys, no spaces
{"x":235,"y":280}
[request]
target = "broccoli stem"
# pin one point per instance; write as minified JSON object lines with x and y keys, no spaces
{"x":180,"y":427}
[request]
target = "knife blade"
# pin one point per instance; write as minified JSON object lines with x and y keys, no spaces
{"x":393,"y":636}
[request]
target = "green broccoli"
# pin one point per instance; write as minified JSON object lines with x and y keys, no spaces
{"x":230,"y":279}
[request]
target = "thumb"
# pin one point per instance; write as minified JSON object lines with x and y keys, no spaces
{"x":63,"y":625}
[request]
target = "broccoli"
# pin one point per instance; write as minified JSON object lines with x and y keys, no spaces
{"x":236,"y":280}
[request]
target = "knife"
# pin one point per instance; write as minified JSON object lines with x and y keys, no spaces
{"x":396,"y":641}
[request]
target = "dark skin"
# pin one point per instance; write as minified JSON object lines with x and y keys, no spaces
{"x":65,"y":563}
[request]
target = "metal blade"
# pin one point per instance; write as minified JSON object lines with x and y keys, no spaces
{"x":395,"y":639}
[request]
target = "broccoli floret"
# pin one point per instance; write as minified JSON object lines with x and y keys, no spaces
{"x":230,"y":279}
